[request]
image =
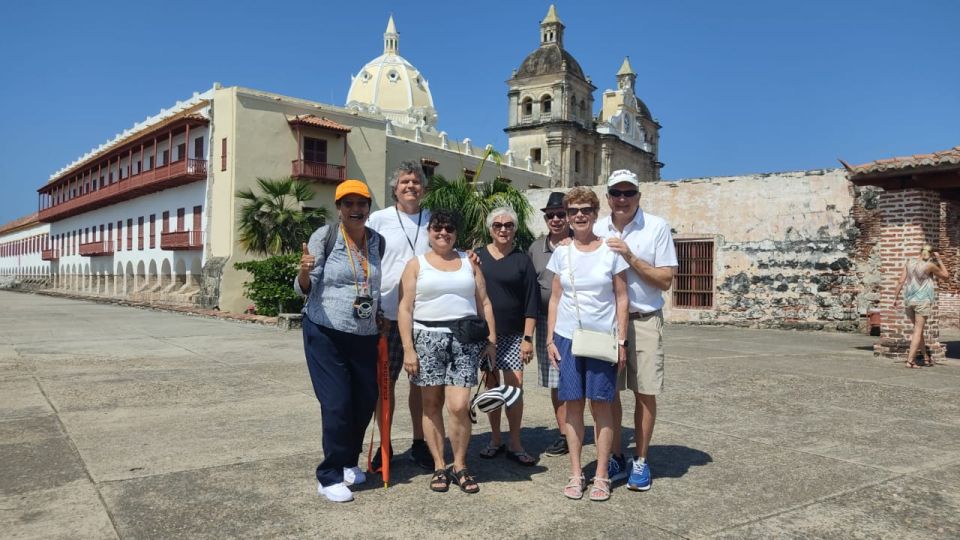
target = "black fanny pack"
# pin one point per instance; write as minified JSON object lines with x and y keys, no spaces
{"x":466,"y":330}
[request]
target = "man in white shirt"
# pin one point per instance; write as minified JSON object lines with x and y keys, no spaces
{"x":404,"y":226}
{"x":645,"y":242}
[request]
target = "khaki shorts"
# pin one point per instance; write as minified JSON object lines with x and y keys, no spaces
{"x":924,"y":309}
{"x":644,"y":371}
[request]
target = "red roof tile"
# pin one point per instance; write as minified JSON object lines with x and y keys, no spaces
{"x":314,"y":121}
{"x":19,"y":223}
{"x":916,"y":161}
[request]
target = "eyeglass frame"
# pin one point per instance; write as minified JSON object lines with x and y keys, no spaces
{"x":585,"y":210}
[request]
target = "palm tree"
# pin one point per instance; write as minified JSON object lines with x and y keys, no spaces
{"x":473,"y":201}
{"x":274,"y":222}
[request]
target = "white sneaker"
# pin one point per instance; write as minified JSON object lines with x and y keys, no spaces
{"x":335,"y":492}
{"x":353,"y":475}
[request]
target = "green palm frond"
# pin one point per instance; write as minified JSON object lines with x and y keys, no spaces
{"x":273,"y":221}
{"x":472,"y":202}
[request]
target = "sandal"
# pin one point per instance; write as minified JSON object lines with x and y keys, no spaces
{"x":600,"y":490}
{"x":491,"y":451}
{"x":522,"y":458}
{"x":912,"y":365}
{"x":466,"y":481}
{"x":574,"y":488}
{"x":440,"y":481}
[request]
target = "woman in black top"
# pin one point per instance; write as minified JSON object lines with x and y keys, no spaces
{"x":514,"y":293}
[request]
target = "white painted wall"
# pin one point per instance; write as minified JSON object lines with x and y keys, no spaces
{"x":25,"y":264}
{"x":168,"y":200}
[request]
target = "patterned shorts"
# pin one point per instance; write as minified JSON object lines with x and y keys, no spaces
{"x":394,"y":351}
{"x":508,"y":352}
{"x":547,"y":375}
{"x":444,"y":361}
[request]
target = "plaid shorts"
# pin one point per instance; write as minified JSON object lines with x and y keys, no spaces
{"x":547,"y":375}
{"x":394,"y":351}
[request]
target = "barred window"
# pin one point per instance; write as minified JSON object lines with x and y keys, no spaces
{"x":693,"y":286}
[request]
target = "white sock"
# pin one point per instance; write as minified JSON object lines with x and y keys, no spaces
{"x":639,"y":460}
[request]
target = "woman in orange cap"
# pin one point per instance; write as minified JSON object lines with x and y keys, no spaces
{"x":340,"y":277}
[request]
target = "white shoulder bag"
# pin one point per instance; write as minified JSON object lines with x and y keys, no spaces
{"x":590,"y":343}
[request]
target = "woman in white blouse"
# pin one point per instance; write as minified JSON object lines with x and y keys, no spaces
{"x":599,"y":276}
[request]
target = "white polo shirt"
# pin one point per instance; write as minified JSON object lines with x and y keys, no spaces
{"x":649,"y":238}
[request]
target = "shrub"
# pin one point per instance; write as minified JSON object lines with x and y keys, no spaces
{"x":272,"y":287}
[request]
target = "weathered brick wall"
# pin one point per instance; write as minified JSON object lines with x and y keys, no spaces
{"x":911,"y":218}
{"x":948,"y":246}
{"x":789,"y":252}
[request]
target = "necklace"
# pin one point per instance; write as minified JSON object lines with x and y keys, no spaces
{"x":405,"y":235}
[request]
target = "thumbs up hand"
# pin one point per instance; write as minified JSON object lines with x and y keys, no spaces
{"x":307,"y":261}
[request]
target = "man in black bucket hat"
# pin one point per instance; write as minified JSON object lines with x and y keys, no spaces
{"x":540,"y":252}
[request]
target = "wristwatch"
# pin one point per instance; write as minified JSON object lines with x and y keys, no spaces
{"x":528,"y":339}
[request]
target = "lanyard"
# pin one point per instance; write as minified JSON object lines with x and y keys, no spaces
{"x":416,"y":236}
{"x":362,"y":257}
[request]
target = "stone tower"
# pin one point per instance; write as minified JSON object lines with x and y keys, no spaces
{"x":550,"y":115}
{"x":628,"y":135}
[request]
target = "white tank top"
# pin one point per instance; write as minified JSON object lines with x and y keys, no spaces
{"x":444,"y":296}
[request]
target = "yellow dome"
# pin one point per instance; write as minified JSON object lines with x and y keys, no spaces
{"x":389,"y":85}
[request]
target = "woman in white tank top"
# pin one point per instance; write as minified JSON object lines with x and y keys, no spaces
{"x":439,"y":288}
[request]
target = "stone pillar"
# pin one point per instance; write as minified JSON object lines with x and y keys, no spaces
{"x":909,"y":219}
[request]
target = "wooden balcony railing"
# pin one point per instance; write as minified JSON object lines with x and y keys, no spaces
{"x":97,"y":249}
{"x":165,"y":176}
{"x":314,"y":170}
{"x":50,"y":255}
{"x":181,"y":240}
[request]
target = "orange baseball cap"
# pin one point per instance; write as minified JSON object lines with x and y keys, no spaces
{"x":352,"y":187}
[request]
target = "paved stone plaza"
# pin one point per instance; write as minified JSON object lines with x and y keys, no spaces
{"x":130,"y":423}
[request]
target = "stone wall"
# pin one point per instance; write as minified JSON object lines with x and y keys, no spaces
{"x":791,"y":250}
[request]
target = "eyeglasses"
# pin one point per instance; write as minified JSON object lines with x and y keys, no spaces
{"x":555,"y":215}
{"x":508,"y":226}
{"x":449,"y":228}
{"x":586,"y":210}
{"x":622,"y":193}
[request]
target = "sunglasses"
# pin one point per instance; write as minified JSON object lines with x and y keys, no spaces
{"x":622,"y":193}
{"x":586,"y":210}
{"x":555,"y":215}
{"x":449,"y":228}
{"x":508,"y":226}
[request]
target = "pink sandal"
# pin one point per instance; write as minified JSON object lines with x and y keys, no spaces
{"x":574,"y":488}
{"x":600,"y":490}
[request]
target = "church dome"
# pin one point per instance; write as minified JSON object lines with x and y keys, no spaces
{"x":549,"y":59}
{"x":391,"y":86}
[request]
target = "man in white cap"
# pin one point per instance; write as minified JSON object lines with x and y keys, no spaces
{"x":645,"y":242}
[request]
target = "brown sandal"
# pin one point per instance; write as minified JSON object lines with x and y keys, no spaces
{"x":466,"y":481}
{"x":440,"y":481}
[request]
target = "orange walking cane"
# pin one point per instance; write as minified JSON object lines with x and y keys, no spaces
{"x":383,"y":381}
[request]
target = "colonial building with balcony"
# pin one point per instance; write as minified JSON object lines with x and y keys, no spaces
{"x":151,"y":215}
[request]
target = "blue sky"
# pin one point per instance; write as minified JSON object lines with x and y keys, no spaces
{"x":739,"y":87}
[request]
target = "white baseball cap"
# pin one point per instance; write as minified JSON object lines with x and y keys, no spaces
{"x":623,"y":175}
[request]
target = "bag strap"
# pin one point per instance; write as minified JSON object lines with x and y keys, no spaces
{"x":573,"y":285}
{"x":331,"y":240}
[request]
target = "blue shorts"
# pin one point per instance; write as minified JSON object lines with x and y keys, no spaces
{"x":582,"y":377}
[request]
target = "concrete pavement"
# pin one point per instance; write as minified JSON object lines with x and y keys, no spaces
{"x":118,"y":422}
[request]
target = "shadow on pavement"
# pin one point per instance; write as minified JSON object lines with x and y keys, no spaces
{"x":672,"y":461}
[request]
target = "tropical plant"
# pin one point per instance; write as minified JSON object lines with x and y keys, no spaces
{"x":273,"y":222}
{"x":473,"y":201}
{"x":272,"y":286}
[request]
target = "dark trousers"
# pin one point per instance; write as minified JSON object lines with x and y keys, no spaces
{"x":343,"y":368}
